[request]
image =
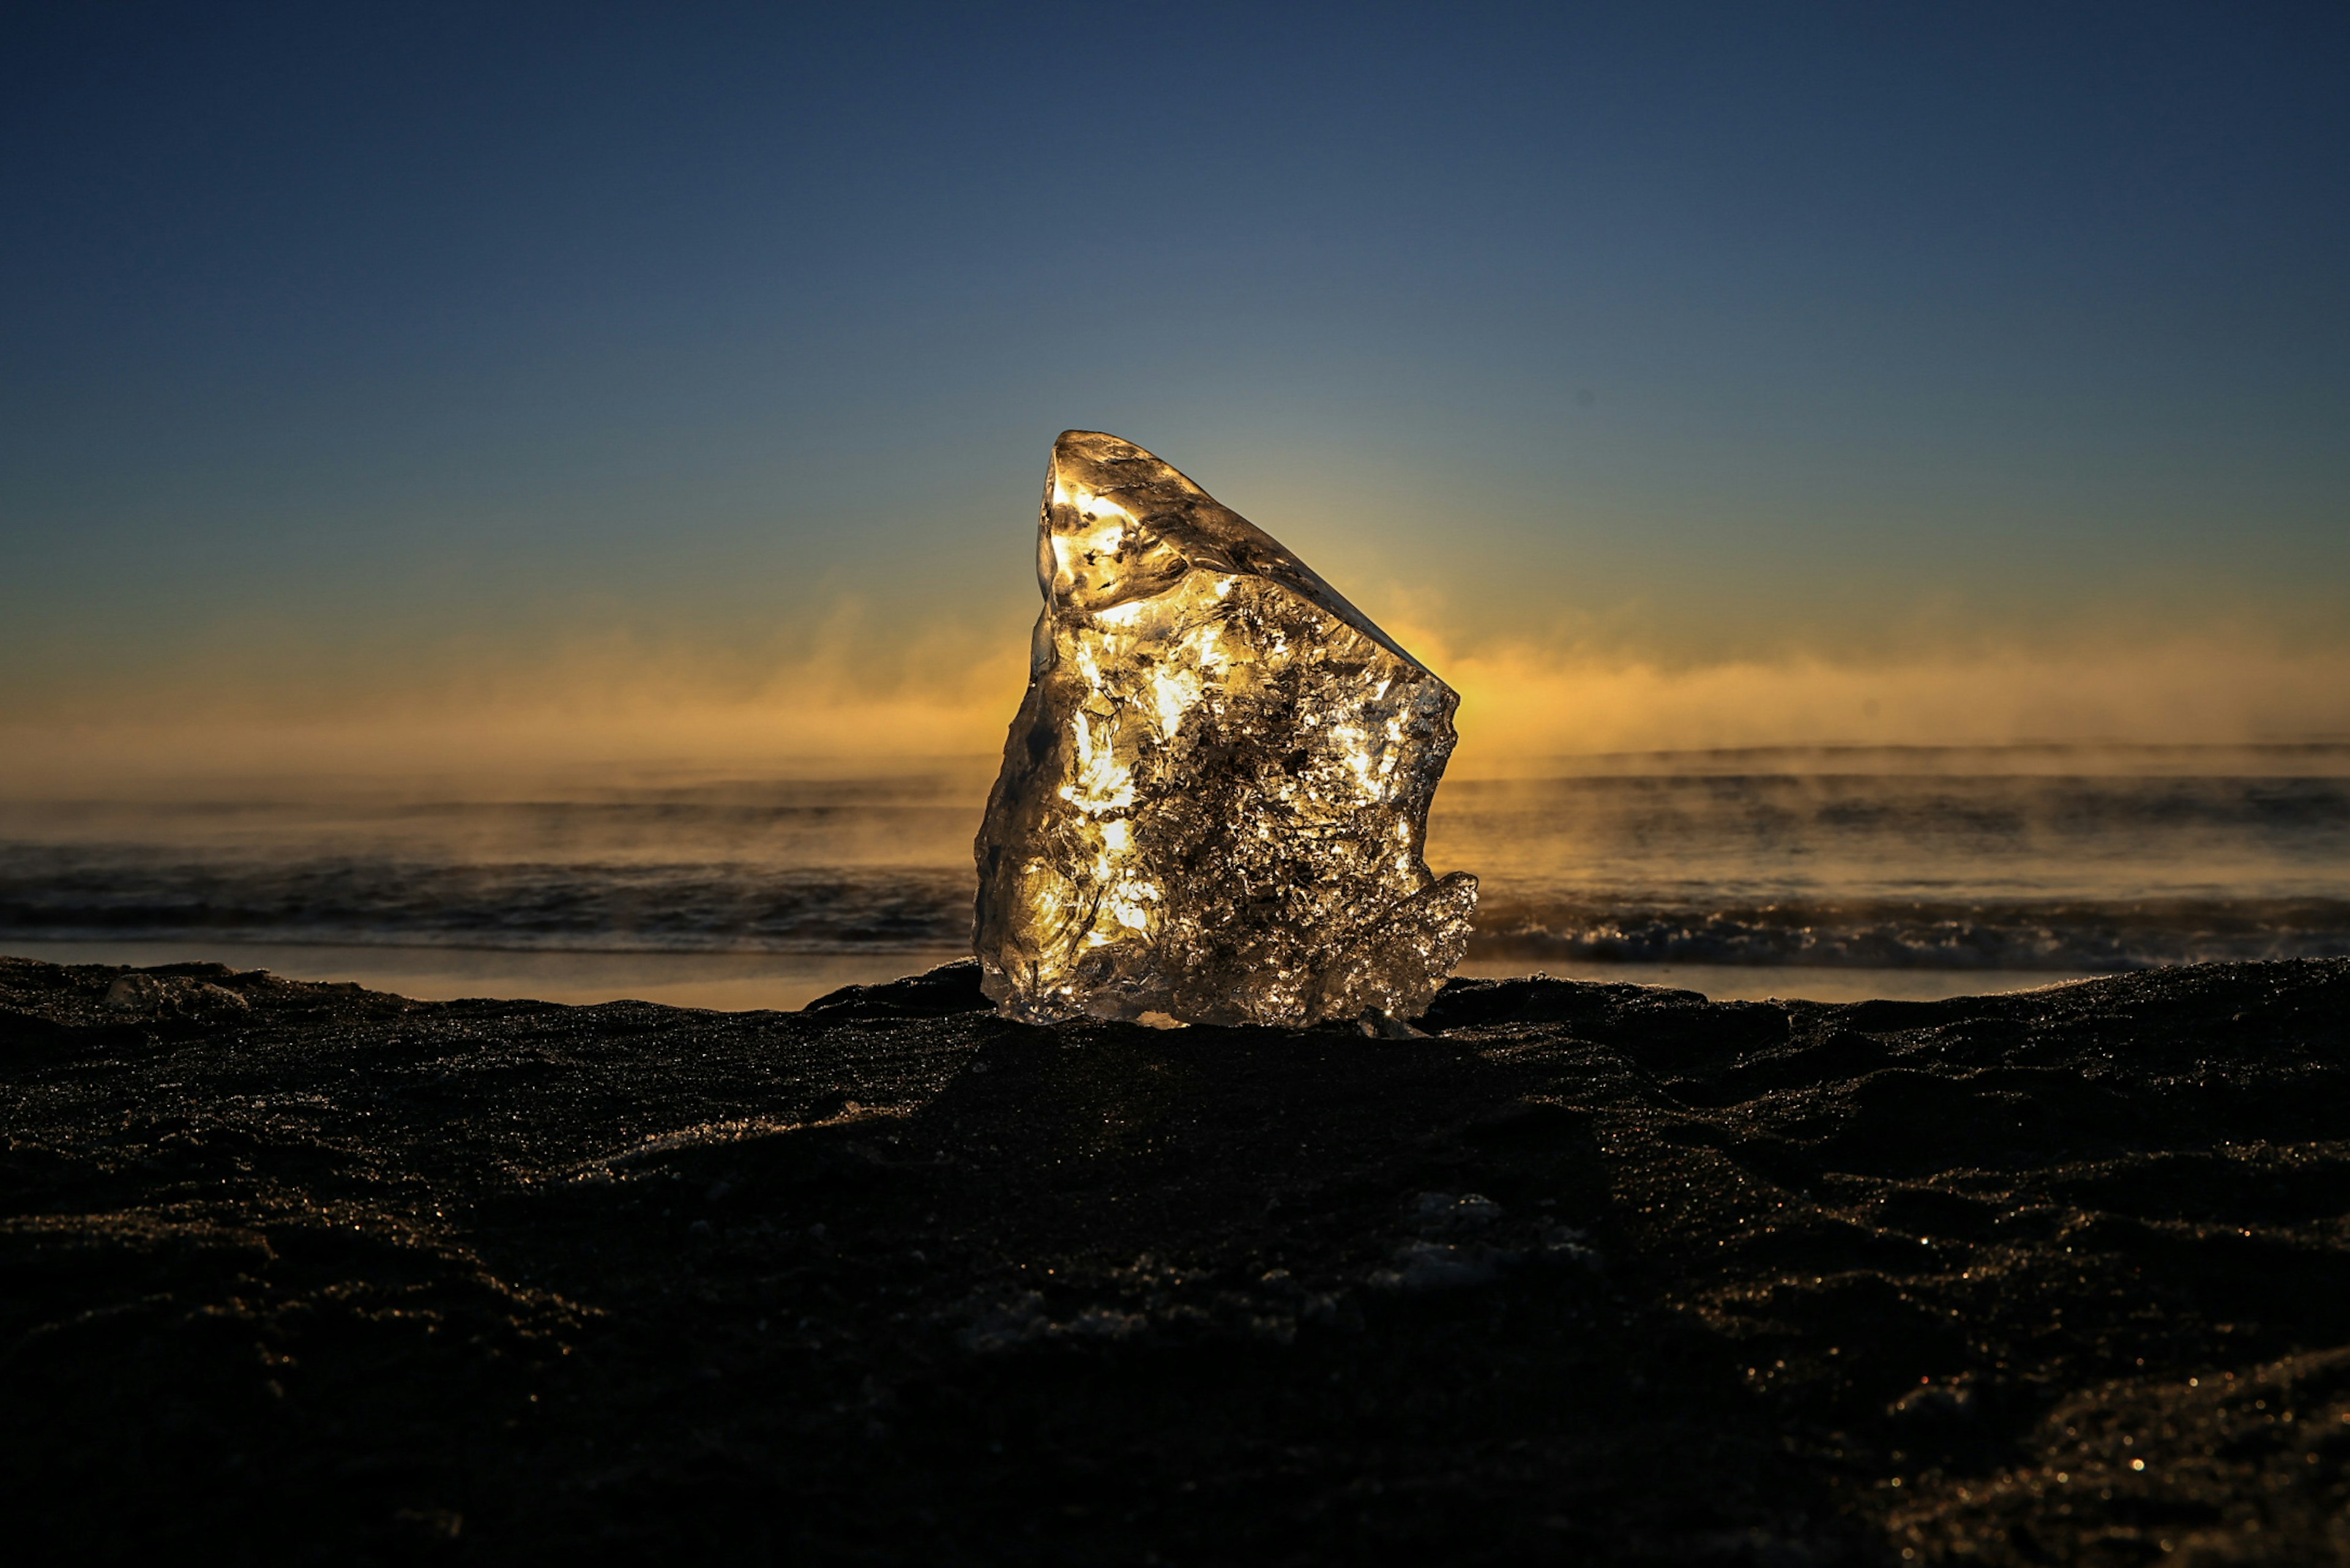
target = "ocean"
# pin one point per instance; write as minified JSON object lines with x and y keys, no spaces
{"x":1827,"y":874}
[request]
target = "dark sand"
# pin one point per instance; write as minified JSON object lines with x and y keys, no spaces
{"x":306,"y":1273}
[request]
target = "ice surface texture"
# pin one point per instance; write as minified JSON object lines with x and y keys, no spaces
{"x":1214,"y":799}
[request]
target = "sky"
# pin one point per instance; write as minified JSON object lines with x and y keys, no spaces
{"x":474,"y":385}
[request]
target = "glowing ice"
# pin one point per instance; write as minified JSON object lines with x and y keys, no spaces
{"x":1214,"y":798}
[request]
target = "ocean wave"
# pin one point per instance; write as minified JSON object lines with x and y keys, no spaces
{"x":629,"y":907}
{"x":58,"y":895}
{"x":1897,"y":871}
{"x":2068,"y":935}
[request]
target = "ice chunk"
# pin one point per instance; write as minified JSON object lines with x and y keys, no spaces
{"x":1214,"y":798}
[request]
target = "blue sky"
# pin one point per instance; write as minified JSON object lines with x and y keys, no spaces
{"x":348,"y":346}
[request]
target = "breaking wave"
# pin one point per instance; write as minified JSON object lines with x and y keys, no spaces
{"x":584,"y":908}
{"x":695,"y":908}
{"x":2066,"y":936}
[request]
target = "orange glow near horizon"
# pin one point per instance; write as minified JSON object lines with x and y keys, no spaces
{"x":1520,"y":704}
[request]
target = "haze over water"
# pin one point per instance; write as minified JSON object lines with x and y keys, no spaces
{"x":1813,"y":873}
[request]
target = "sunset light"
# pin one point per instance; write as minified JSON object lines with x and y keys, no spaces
{"x":622,"y":941}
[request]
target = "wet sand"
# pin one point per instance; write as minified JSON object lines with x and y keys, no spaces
{"x":1592,"y":1274}
{"x":739,"y":982}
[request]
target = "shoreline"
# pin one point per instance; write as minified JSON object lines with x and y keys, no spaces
{"x":747,"y":981}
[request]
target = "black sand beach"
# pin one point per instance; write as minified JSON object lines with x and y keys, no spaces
{"x":1593,"y":1273}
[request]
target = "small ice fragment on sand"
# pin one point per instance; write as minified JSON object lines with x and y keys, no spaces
{"x":134,"y":992}
{"x":137,"y":993}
